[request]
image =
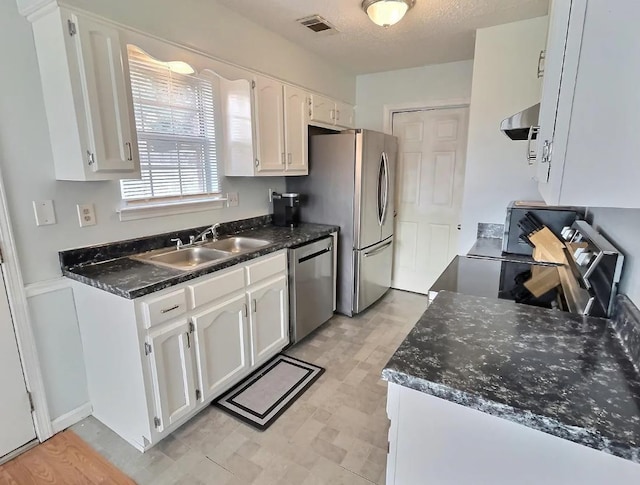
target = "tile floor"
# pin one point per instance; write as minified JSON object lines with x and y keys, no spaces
{"x":336,"y":433}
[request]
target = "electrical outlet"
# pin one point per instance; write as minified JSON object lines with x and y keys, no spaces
{"x":232,"y":199}
{"x":43,"y":210}
{"x":86,"y":215}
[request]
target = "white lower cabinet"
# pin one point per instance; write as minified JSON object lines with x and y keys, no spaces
{"x":172,"y":371}
{"x":269,"y":319}
{"x":222,"y":345}
{"x":147,"y":376}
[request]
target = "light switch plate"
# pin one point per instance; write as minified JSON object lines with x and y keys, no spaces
{"x":44,"y":212}
{"x":232,"y":199}
{"x":86,"y":215}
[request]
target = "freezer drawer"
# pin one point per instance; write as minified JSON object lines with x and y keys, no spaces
{"x":373,"y":273}
{"x":311,"y":287}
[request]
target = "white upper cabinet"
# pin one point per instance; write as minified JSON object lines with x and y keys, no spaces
{"x":326,"y":112}
{"x":270,"y":126}
{"x":281,"y":118}
{"x":588,"y":144}
{"x":87,"y":95}
{"x":345,"y":115}
{"x":296,"y":124}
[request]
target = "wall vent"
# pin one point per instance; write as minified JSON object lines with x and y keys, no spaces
{"x":316,"y":23}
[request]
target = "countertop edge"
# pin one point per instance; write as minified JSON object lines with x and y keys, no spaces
{"x":551,"y":426}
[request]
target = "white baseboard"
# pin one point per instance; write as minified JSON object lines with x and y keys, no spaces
{"x":72,"y":417}
{"x":47,"y":286}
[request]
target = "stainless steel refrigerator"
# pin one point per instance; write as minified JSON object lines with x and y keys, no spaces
{"x":351,"y":184}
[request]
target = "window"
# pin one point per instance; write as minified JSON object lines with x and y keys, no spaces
{"x":175,"y":119}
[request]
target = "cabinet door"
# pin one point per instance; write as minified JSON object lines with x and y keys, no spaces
{"x":173,"y":372}
{"x":112,"y":144}
{"x":269,"y":126}
{"x":551,"y":84}
{"x":269,"y":319}
{"x":323,"y":110}
{"x":222,"y":346}
{"x":296,"y":122}
{"x":345,"y":115}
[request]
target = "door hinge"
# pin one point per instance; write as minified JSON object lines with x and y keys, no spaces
{"x":31,"y":405}
{"x":147,"y":348}
{"x":91,"y":159}
{"x":197,"y":394}
{"x":72,"y":28}
{"x":156,"y":422}
{"x":192,"y":327}
{"x":257,"y":162}
{"x":253,"y":84}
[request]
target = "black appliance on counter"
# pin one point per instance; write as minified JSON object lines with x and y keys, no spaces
{"x":286,"y":209}
{"x":554,"y":217}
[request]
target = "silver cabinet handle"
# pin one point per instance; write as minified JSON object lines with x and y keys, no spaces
{"x":289,"y":158}
{"x":541,"y":59}
{"x":170,"y":309}
{"x":546,"y":152}
{"x":378,"y":250}
{"x":531,"y":156}
{"x":332,"y":115}
{"x":188,"y":340}
{"x":129,"y":151}
{"x":254,"y":305}
{"x":246,"y":310}
{"x":284,"y":157}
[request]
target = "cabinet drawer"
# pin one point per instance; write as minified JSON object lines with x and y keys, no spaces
{"x":216,"y":287}
{"x":265,"y":268}
{"x":165,"y":307}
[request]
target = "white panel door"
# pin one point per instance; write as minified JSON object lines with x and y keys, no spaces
{"x":222,"y":347}
{"x":296,"y":122}
{"x":16,"y":424}
{"x":269,"y":126}
{"x":173,"y":372}
{"x":111,"y":138}
{"x":269,"y":320}
{"x":429,"y":186}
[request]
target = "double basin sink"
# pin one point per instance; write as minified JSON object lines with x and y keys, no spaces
{"x":195,"y":256}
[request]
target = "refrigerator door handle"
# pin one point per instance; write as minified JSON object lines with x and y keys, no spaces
{"x":379,"y":193}
{"x":385,"y":164}
{"x":378,"y":250}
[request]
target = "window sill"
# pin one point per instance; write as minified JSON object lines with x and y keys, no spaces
{"x":133,"y":212}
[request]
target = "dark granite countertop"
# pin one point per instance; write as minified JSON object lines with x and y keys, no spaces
{"x":553,"y":371}
{"x":109,"y":268}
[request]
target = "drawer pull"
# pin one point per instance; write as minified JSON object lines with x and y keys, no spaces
{"x":170,"y":309}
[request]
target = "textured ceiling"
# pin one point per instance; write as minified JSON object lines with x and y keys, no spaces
{"x":432,"y":32}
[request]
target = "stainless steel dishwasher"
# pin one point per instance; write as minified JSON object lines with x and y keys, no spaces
{"x":312,"y":286}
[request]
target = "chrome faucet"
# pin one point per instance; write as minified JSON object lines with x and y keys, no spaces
{"x":203,"y":235}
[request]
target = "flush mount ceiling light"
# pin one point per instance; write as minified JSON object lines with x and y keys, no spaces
{"x":386,"y":12}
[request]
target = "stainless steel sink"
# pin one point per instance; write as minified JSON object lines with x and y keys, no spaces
{"x":237,"y":245}
{"x":193,"y":257}
{"x":186,"y":258}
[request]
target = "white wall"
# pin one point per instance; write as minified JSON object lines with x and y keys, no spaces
{"x":419,"y":85}
{"x":504,"y":82}
{"x":27,"y":167}
{"x":622,"y":228}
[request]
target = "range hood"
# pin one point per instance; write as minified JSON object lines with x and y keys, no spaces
{"x":517,"y":126}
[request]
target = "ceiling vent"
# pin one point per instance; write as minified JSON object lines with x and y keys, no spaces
{"x":317,"y":24}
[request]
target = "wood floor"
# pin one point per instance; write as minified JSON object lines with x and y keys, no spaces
{"x":64,"y":459}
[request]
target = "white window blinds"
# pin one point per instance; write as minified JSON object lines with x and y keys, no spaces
{"x":175,"y":120}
